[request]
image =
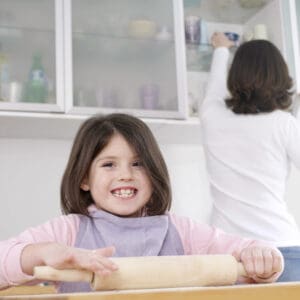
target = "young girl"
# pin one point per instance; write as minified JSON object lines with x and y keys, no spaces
{"x":115,"y":194}
{"x":250,"y":141}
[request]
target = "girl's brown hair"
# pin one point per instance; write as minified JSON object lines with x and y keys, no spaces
{"x":93,"y":135}
{"x":258,"y":79}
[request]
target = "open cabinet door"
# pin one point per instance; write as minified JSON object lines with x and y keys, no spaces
{"x":291,"y":22}
{"x":291,"y":15}
{"x":280,"y":20}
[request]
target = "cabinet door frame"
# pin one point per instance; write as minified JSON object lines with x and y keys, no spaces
{"x":181,"y":74}
{"x":295,"y":32}
{"x":59,"y":55}
{"x":68,"y":55}
{"x":58,"y":106}
{"x":181,"y":70}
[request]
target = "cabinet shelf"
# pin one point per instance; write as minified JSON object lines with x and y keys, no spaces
{"x":198,"y":57}
{"x":16,"y":32}
{"x":124,"y":47}
{"x":81,"y":34}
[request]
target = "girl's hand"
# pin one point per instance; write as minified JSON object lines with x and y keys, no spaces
{"x":219,"y":39}
{"x":63,"y":257}
{"x":262,"y":264}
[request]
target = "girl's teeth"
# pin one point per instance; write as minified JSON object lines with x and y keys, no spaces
{"x":124,"y":193}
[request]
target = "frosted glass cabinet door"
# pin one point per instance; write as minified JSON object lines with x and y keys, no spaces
{"x":295,"y":7}
{"x":28,"y":55}
{"x":128,"y":55}
{"x":290,"y":11}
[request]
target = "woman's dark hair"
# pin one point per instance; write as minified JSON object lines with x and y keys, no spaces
{"x":258,"y":79}
{"x":93,"y":136}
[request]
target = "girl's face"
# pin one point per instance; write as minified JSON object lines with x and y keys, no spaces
{"x":117,"y":179}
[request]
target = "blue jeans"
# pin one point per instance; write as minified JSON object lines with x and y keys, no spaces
{"x":292,"y":264}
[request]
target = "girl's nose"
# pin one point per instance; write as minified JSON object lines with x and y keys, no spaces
{"x":125,"y":174}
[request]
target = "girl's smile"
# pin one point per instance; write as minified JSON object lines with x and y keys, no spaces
{"x":125,"y":192}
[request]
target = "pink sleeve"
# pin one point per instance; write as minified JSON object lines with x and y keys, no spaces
{"x":198,"y":238}
{"x":62,"y":229}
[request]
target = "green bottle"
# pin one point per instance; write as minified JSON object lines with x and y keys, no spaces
{"x":4,"y":76}
{"x":36,"y":90}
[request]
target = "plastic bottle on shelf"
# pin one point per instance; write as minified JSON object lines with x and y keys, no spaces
{"x":4,"y":77}
{"x":36,"y":87}
{"x":204,"y":40}
{"x":192,"y":30}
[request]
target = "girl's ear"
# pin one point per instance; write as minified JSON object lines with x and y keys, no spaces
{"x":84,"y":185}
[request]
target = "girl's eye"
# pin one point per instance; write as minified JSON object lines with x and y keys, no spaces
{"x":107,"y":165}
{"x":137,"y":164}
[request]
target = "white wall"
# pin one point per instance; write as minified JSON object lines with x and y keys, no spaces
{"x":31,"y":169}
{"x":30,"y":172}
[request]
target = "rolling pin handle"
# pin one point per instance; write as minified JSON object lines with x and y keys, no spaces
{"x":49,"y":273}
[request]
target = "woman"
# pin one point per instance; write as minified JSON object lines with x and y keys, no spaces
{"x":250,"y":140}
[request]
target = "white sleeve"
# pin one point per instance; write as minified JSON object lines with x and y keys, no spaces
{"x":293,"y":141}
{"x":216,"y":89}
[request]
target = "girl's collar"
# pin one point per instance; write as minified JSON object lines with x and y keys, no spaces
{"x":95,"y":212}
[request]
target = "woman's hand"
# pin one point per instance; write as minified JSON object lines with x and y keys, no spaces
{"x":219,"y":39}
{"x":63,"y":257}
{"x":262,"y":264}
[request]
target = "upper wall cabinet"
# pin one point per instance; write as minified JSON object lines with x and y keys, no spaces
{"x":31,"y":64}
{"x":84,"y":57}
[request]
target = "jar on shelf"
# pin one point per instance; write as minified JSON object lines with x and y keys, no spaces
{"x":192,"y":30}
{"x":149,"y":96}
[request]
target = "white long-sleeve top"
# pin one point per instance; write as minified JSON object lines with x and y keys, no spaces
{"x":248,"y":162}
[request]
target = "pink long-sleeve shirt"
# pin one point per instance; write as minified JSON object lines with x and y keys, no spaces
{"x":196,"y":238}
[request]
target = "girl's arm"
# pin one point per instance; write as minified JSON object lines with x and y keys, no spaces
{"x":262,"y":261}
{"x":49,"y":244}
{"x":60,"y":230}
{"x":61,"y":256}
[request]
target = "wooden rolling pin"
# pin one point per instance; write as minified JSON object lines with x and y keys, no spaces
{"x":155,"y":272}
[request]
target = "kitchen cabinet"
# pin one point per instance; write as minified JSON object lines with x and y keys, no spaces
{"x":31,"y":64}
{"x":277,"y":18}
{"x":84,"y":57}
{"x":99,"y":57}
